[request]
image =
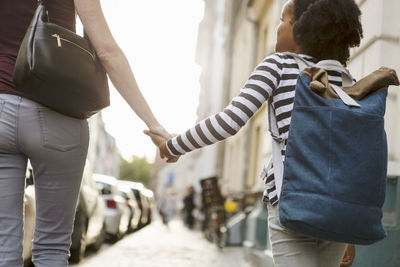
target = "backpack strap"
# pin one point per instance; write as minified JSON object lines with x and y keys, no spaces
{"x":346,"y":78}
{"x":335,"y":65}
{"x":272,"y":124}
{"x":277,"y":141}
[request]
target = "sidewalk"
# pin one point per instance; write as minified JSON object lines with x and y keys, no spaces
{"x":173,"y":246}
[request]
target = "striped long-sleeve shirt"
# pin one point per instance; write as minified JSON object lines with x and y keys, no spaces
{"x":274,"y":77}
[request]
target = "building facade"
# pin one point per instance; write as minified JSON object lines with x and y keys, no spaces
{"x":103,"y":153}
{"x":381,"y":47}
{"x":213,"y":58}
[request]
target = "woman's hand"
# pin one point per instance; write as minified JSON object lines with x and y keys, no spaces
{"x":160,"y":131}
{"x":159,"y":139}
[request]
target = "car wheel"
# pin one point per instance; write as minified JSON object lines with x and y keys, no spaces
{"x":113,"y":238}
{"x":100,"y":238}
{"x":149,"y":220}
{"x":130,"y":226}
{"x":28,"y":263}
{"x":124,"y":230}
{"x":78,"y":247}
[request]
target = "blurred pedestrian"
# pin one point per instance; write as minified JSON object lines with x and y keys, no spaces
{"x":188,"y":207}
{"x":310,"y":31}
{"x":168,"y":204}
{"x":56,"y":144}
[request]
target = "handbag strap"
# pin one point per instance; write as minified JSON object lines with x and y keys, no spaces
{"x":45,"y":17}
{"x":42,"y":2}
{"x":45,"y":14}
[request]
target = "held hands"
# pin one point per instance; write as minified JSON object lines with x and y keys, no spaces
{"x":159,"y":137}
{"x":160,"y":131}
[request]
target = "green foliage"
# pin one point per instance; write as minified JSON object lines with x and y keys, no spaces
{"x":136,"y":170}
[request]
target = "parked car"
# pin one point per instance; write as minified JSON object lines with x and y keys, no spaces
{"x":89,"y":225}
{"x":29,"y":223}
{"x":116,"y":212}
{"x":135,"y":212}
{"x":149,"y":196}
{"x":144,"y":204}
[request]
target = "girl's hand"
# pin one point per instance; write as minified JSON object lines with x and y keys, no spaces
{"x":349,"y":256}
{"x":160,"y":141}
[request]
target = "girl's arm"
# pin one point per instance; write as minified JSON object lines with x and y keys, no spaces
{"x":258,"y":88}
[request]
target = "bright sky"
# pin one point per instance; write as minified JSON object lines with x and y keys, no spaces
{"x":159,"y":39}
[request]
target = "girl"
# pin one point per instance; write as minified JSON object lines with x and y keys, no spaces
{"x":311,"y":30}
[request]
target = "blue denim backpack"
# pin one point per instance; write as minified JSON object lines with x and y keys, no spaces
{"x":334,"y":173}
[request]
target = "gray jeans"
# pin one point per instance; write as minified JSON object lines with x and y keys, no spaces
{"x":56,"y":146}
{"x":291,"y":249}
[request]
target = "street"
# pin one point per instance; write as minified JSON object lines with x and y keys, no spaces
{"x":158,"y":245}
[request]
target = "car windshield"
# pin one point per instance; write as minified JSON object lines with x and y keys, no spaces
{"x":125,"y":195}
{"x":136,"y":193}
{"x":104,"y":189}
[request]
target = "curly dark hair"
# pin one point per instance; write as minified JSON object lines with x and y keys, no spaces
{"x":327,"y":29}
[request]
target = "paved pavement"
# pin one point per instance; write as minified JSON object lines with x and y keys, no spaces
{"x":159,"y":246}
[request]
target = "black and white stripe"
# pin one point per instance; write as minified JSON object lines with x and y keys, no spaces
{"x":276,"y":76}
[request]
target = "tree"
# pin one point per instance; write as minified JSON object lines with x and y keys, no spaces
{"x":136,"y":170}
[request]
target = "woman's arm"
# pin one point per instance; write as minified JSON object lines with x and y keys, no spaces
{"x":115,"y":62}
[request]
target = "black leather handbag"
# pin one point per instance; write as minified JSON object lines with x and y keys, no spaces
{"x":60,"y":70}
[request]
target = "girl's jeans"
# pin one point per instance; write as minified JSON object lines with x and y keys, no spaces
{"x":56,"y":146}
{"x":290,"y":249}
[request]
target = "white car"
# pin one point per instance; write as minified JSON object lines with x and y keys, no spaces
{"x":143,"y":201}
{"x":117,"y":212}
{"x":135,"y":212}
{"x":29,"y":223}
{"x":89,"y":225}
